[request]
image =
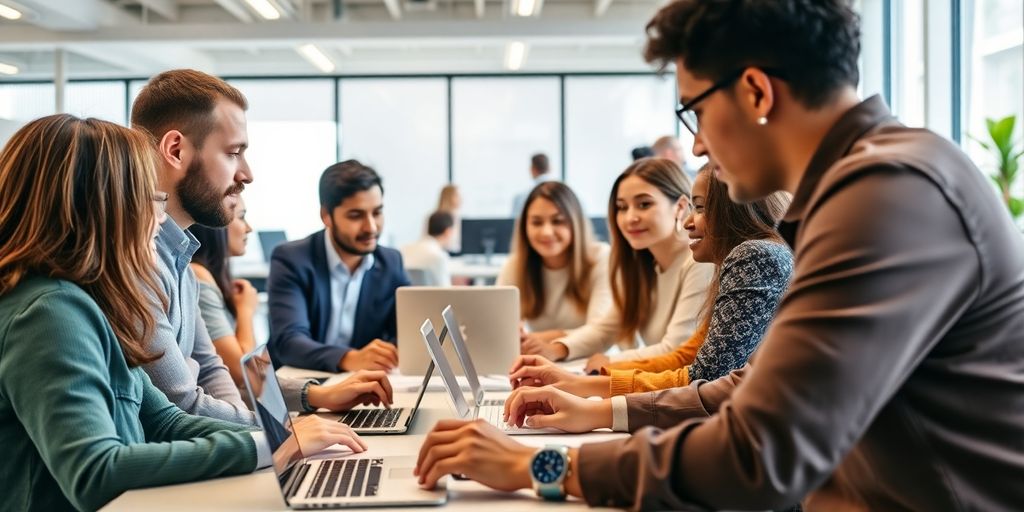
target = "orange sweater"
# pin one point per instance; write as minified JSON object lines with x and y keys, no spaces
{"x":661,"y":372}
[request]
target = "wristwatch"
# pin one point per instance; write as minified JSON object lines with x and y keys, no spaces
{"x":549,"y":469}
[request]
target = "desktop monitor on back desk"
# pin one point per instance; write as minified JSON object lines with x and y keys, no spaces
{"x":487,"y":236}
{"x":269,"y":240}
{"x":600,"y":228}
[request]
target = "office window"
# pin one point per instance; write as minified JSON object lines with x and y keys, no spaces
{"x":497,"y":123}
{"x":25,"y":102}
{"x":908,"y":57}
{"x":102,"y":100}
{"x":606,"y":117}
{"x":292,"y":139}
{"x":993,"y":72}
{"x":400,"y":128}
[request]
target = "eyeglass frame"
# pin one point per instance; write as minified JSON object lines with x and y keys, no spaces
{"x":724,"y":82}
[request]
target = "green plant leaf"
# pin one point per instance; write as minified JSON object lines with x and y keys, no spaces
{"x":1016,"y":207}
{"x":1001,"y":132}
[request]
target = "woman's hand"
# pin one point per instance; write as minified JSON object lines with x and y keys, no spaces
{"x":245,"y":296}
{"x":537,"y":371}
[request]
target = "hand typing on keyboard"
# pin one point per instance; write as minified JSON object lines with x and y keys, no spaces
{"x":365,"y":387}
{"x":316,"y":434}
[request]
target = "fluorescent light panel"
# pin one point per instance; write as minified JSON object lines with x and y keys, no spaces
{"x":265,"y":9}
{"x":8,"y":69}
{"x":515,"y":55}
{"x":316,"y":57}
{"x":526,"y":7}
{"x":9,"y":12}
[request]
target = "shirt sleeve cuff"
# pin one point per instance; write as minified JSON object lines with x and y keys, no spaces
{"x":620,"y":414}
{"x":264,"y":458}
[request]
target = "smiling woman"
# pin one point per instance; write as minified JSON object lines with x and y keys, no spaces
{"x":657,"y":287}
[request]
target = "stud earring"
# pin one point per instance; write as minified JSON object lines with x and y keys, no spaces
{"x":762,"y":120}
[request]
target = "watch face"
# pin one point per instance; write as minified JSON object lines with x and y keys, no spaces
{"x":548,"y":466}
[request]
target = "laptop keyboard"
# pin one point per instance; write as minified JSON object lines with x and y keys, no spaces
{"x":347,"y":478}
{"x":371,"y":418}
{"x":494,"y":415}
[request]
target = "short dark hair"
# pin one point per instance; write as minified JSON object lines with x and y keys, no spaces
{"x":183,"y":100}
{"x":813,"y":43}
{"x":343,"y":180}
{"x":539,"y":163}
{"x":439,"y":222}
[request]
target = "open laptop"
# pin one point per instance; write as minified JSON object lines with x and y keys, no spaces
{"x":491,"y":411}
{"x":270,"y":240}
{"x":379,"y":420}
{"x":342,"y":481}
{"x":489,"y":325}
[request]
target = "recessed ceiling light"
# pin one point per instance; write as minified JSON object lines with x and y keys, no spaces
{"x":8,"y":69}
{"x":526,"y":7}
{"x":316,"y":57}
{"x":264,"y":9}
{"x":515,"y":55}
{"x":9,"y":12}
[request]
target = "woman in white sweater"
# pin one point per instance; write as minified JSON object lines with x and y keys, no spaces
{"x":658,"y":290}
{"x":561,"y":272}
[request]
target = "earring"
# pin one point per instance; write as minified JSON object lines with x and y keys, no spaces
{"x":762,"y":120}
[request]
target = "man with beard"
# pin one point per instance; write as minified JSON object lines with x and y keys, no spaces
{"x":198,"y":125}
{"x":332,"y":294}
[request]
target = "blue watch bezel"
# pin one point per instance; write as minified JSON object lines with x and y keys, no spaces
{"x":554,"y":490}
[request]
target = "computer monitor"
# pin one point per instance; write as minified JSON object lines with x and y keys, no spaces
{"x":269,"y":240}
{"x":600,"y":228}
{"x":487,"y":236}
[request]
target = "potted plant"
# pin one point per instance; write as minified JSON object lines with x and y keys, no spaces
{"x":1003,"y":147}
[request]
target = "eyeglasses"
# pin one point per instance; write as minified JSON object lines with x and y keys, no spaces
{"x":160,"y":203}
{"x":685,"y":111}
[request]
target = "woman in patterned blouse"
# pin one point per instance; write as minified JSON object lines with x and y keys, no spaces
{"x":753,"y":268}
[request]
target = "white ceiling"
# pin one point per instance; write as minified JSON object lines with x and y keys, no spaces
{"x":136,"y":38}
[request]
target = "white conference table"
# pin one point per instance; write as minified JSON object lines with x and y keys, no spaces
{"x":259,"y":491}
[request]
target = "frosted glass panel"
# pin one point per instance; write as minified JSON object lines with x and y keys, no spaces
{"x":606,"y":117}
{"x":497,"y":124}
{"x":292,"y":139}
{"x":25,"y":102}
{"x":102,"y":100}
{"x":399,"y":127}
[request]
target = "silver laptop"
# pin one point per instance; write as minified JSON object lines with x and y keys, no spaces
{"x":329,"y":482}
{"x":490,"y":411}
{"x":380,"y":420}
{"x":489,"y":328}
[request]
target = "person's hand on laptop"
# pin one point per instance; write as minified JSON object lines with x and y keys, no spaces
{"x":476,"y":449}
{"x":314,"y":435}
{"x":378,"y":355}
{"x":536,"y":371}
{"x":595,"y":363}
{"x":553,"y":350}
{"x":365,"y":387}
{"x":549,"y":407}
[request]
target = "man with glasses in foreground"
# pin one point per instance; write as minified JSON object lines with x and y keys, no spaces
{"x":893,"y":374}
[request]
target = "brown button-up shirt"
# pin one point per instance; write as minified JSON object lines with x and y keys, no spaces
{"x":893,"y":375}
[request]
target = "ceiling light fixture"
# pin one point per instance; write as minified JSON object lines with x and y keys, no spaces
{"x":9,"y":12}
{"x":8,"y":69}
{"x":526,"y":7}
{"x":515,"y":55}
{"x":316,"y":57}
{"x":265,"y":9}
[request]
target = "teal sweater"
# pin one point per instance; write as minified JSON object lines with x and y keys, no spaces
{"x":77,"y":426}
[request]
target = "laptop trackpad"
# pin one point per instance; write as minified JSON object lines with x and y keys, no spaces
{"x":400,"y":473}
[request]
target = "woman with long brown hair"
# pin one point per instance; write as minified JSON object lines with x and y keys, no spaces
{"x":560,"y":270}
{"x":752,"y":270}
{"x":657,"y":287}
{"x":80,"y":422}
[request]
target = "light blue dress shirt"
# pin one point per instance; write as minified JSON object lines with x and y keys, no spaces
{"x":345,"y":288}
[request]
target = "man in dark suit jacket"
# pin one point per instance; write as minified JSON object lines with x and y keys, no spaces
{"x":332,"y":294}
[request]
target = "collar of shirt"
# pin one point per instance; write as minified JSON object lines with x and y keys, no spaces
{"x":334,"y":263}
{"x":836,"y":144}
{"x":175,"y":245}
